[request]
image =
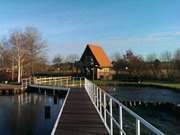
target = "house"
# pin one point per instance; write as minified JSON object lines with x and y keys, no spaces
{"x":95,"y":64}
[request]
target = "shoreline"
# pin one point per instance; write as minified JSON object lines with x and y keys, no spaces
{"x":171,"y":86}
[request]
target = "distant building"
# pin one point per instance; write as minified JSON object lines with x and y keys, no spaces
{"x":95,"y":64}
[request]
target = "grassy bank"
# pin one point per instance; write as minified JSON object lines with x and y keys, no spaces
{"x":174,"y":86}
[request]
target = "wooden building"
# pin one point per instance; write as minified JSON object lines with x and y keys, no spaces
{"x":95,"y":64}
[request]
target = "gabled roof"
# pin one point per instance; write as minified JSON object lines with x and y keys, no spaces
{"x":100,"y":55}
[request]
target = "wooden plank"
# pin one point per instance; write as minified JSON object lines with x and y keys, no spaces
{"x":79,"y":116}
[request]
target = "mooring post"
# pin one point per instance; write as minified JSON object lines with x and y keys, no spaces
{"x":54,"y":92}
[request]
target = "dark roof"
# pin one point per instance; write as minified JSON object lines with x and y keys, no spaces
{"x":99,"y":55}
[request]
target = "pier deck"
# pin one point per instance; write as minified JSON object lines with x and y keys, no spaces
{"x":79,"y":116}
{"x":6,"y":89}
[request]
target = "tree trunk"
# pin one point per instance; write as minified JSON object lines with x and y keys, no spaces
{"x":19,"y":69}
{"x":12,"y":75}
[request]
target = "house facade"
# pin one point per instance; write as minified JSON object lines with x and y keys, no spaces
{"x":95,"y":64}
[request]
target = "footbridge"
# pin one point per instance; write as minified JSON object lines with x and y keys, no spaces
{"x":88,"y":109}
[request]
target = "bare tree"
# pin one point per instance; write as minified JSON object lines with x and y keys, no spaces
{"x":27,"y":48}
{"x":151,"y":57}
{"x":17,"y":40}
{"x":135,"y":63}
{"x":116,"y":56}
{"x":166,"y":59}
{"x":71,"y":59}
{"x":118,"y":63}
{"x":153,"y":65}
{"x":57,"y":61}
{"x":177,"y":63}
{"x":1,"y":55}
{"x":35,"y":45}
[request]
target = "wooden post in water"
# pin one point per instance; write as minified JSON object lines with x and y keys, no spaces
{"x":47,"y":112}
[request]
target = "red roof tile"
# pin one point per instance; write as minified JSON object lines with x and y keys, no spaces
{"x":100,"y":55}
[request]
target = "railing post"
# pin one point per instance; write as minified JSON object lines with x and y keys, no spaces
{"x":26,"y":84}
{"x":85,"y":83}
{"x":100,"y":101}
{"x":67,"y":82}
{"x":94,"y":97}
{"x":80,"y":81}
{"x":105,"y":108}
{"x":73,"y":81}
{"x":96,"y":94}
{"x":111,"y":119}
{"x":137,"y":127}
{"x":97,"y":100}
{"x":120,"y":120}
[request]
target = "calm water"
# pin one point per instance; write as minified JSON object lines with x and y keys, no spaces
{"x":166,"y":119}
{"x":28,"y":114}
{"x":148,"y":94}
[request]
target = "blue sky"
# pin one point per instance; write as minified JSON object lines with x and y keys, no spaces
{"x":144,"y":26}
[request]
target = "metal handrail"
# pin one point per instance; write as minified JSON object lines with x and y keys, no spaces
{"x":60,"y":113}
{"x":95,"y":93}
{"x":53,"y":81}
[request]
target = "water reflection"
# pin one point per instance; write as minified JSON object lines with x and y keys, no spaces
{"x":28,"y":113}
{"x":47,"y":114}
{"x":55,"y":100}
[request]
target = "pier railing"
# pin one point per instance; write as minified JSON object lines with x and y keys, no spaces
{"x":67,"y":81}
{"x":61,"y":81}
{"x":111,"y":112}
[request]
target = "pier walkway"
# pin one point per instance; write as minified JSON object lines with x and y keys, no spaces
{"x":79,"y":116}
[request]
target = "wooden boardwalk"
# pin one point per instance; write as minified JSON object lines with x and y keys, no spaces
{"x":79,"y":116}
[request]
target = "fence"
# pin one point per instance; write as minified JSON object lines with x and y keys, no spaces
{"x":67,"y":81}
{"x":61,"y":81}
{"x":111,"y":112}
